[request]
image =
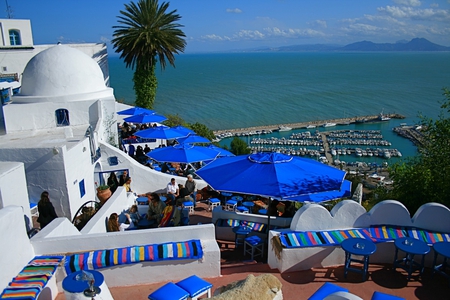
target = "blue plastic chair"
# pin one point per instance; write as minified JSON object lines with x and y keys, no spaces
{"x":169,"y":291}
{"x":382,"y":296}
{"x":325,"y":290}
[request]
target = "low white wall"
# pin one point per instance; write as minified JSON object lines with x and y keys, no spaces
{"x":118,"y":203}
{"x":148,"y":272}
{"x":15,"y":247}
{"x":346,"y":214}
{"x":58,"y":227}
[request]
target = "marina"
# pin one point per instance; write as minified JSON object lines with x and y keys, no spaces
{"x":257,"y":130}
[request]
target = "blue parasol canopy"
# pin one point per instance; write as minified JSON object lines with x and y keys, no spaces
{"x":183,"y":129}
{"x":193,"y":139}
{"x":344,"y":192}
{"x":183,"y":153}
{"x":222,"y":152}
{"x":144,"y":118}
{"x":160,"y":132}
{"x":136,"y":111}
{"x":272,"y":175}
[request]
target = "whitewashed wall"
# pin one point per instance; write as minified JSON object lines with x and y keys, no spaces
{"x":15,"y":247}
{"x":13,"y":188}
{"x":347,"y":215}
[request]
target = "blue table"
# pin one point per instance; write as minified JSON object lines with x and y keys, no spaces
{"x":142,"y":200}
{"x":241,"y":232}
{"x":357,"y":247}
{"x":443,"y":249}
{"x":249,"y":205}
{"x":237,"y":198}
{"x":262,"y":211}
{"x":70,"y":284}
{"x":411,"y":247}
{"x":162,"y":198}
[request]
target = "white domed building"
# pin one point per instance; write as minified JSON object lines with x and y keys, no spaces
{"x":55,"y":124}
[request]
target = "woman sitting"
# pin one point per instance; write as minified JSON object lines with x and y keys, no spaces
{"x":171,"y":214}
{"x":114,"y":225}
{"x":134,"y":214}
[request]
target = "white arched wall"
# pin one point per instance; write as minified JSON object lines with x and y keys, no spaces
{"x":349,"y":214}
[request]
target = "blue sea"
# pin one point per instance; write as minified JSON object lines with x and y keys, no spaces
{"x":235,"y":90}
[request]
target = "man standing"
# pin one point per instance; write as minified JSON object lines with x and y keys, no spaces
{"x":191,"y":186}
{"x":172,"y":190}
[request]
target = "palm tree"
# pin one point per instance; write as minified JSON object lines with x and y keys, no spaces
{"x":146,"y":34}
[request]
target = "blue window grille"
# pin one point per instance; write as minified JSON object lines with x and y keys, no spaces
{"x":14,"y":37}
{"x":62,"y":117}
{"x":82,"y":188}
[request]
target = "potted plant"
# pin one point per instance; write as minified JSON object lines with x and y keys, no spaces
{"x":103,"y":193}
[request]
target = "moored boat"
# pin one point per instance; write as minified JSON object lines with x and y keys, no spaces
{"x":284,"y":128}
{"x":329,"y":124}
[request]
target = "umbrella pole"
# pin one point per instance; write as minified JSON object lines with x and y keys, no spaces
{"x":268,"y":220}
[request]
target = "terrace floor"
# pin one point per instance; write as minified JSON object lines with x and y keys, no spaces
{"x":301,"y":285}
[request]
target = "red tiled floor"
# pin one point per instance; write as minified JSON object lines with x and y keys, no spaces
{"x":301,"y":285}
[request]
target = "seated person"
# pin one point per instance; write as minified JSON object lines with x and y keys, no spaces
{"x":127,"y":185}
{"x":134,"y":214}
{"x":172,"y":190}
{"x":86,"y":215}
{"x":171,"y":215}
{"x":113,"y":223}
{"x":155,"y":208}
{"x":183,"y":195}
{"x":165,"y":168}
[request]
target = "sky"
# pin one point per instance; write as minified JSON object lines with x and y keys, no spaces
{"x":224,"y":25}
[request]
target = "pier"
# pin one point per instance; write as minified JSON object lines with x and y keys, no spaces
{"x":318,"y":123}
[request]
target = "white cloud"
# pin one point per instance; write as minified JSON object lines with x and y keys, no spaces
{"x":416,"y":14}
{"x":104,"y":39}
{"x":213,"y":37}
{"x":408,"y":2}
{"x":234,"y":11}
{"x":434,"y":5}
{"x":318,"y":24}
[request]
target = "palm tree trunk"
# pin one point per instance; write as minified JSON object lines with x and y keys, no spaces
{"x":145,"y":84}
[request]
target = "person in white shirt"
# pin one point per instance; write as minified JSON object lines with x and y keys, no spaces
{"x":172,"y":190}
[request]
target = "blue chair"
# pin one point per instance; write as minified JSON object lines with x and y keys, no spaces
{"x":213,"y":202}
{"x":255,"y":246}
{"x":169,"y":291}
{"x":325,"y":290}
{"x":242,"y":209}
{"x":189,"y":205}
{"x":382,"y":296}
{"x":195,"y":286}
{"x":230,"y":205}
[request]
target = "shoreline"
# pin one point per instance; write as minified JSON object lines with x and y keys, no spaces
{"x":273,"y":127}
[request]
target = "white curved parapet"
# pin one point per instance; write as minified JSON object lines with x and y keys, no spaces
{"x":349,"y":214}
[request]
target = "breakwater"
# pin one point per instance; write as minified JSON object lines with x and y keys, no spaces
{"x":317,"y":123}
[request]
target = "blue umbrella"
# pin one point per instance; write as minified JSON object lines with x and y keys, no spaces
{"x":144,"y":118}
{"x":183,"y":153}
{"x":222,"y":152}
{"x":192,"y":139}
{"x":136,"y":111}
{"x":272,"y":175}
{"x":183,"y":129}
{"x":344,"y":192}
{"x":160,"y":132}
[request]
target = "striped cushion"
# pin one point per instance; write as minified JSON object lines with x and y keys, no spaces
{"x":29,"y":281}
{"x":20,"y":293}
{"x":260,"y":227}
{"x":38,"y":270}
{"x":428,"y":236}
{"x":106,"y":258}
{"x":386,"y":232}
{"x":320,"y":238}
{"x":228,"y":223}
{"x":46,"y":261}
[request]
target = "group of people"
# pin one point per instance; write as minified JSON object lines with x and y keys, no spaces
{"x":161,"y":213}
{"x":123,"y":180}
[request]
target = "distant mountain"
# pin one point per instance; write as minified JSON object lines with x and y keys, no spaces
{"x":417,"y":44}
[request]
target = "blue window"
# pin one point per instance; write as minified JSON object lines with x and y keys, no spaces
{"x":14,"y":37}
{"x":62,"y":117}
{"x":82,"y":188}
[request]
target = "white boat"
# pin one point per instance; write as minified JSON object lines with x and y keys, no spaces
{"x":383,"y":117}
{"x":329,"y":124}
{"x":284,"y":128}
{"x":310,"y":126}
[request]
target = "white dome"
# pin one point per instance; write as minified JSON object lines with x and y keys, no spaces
{"x":61,"y":71}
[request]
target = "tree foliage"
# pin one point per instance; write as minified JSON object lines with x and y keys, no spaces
{"x":425,"y":178}
{"x":147,"y":33}
{"x":239,"y":146}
